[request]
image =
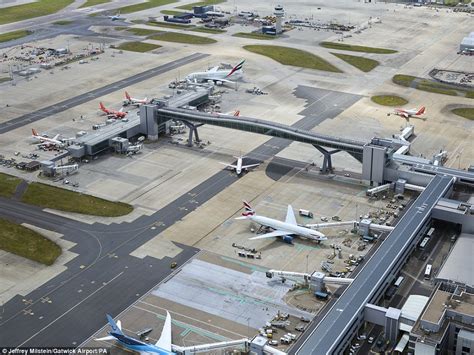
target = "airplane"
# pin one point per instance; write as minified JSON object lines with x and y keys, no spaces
{"x":134,"y":101}
{"x":216,"y":75}
{"x":239,"y":167}
{"x":116,"y":17}
{"x":46,"y":141}
{"x":161,"y":347}
{"x":286,"y":230}
{"x":408,"y":113}
{"x":112,"y":113}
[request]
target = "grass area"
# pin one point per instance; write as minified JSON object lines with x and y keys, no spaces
{"x":143,"y":31}
{"x":93,"y":3}
{"x":182,"y":38}
{"x":10,"y":36}
{"x":5,"y":78}
{"x":138,"y":46}
{"x":389,"y":100}
{"x":466,"y":112}
{"x":253,"y":35}
{"x":354,"y":48}
{"x":361,"y":63}
{"x":207,"y":30}
{"x":169,"y":25}
{"x":27,"y":243}
{"x":63,"y":22}
{"x":292,"y":56}
{"x":172,"y":12}
{"x":436,"y":90}
{"x":8,"y":185}
{"x":200,"y":3}
{"x":64,"y":200}
{"x":119,"y":28}
{"x":431,"y":86}
{"x":144,"y":6}
{"x":31,"y":10}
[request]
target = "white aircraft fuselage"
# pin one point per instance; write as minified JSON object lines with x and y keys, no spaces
{"x":292,"y":229}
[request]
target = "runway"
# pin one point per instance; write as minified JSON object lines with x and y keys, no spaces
{"x":104,"y":278}
{"x":93,"y":94}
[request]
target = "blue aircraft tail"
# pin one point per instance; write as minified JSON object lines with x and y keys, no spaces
{"x":115,"y":327}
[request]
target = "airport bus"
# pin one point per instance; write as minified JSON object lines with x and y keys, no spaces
{"x":430,"y":232}
{"x":424,"y":242}
{"x":428,"y":272}
{"x":399,"y":281}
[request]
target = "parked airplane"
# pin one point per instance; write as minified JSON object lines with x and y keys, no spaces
{"x":286,"y":230}
{"x":409,"y":113}
{"x":134,"y":101}
{"x":239,"y":167}
{"x":116,"y":17}
{"x":46,"y":141}
{"x":161,"y":347}
{"x":112,"y":113}
{"x":219,"y":76}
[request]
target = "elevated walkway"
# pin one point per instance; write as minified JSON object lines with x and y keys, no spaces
{"x":273,"y":129}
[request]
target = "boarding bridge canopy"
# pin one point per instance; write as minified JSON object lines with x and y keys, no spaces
{"x":259,"y":126}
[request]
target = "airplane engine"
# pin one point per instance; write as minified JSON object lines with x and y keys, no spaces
{"x":288,"y":239}
{"x":219,"y":83}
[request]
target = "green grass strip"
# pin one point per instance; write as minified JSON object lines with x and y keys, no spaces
{"x":389,"y":100}
{"x":27,"y":243}
{"x":182,"y":38}
{"x":207,"y":30}
{"x":47,"y":196}
{"x":200,"y":3}
{"x":144,"y":6}
{"x":361,"y":63}
{"x":253,"y":35}
{"x":10,"y":36}
{"x":294,"y":57}
{"x":63,"y":22}
{"x":93,"y":3}
{"x":143,"y":31}
{"x":354,"y":48}
{"x":169,"y":25}
{"x":140,"y":47}
{"x":8,"y":184}
{"x":35,"y":9}
{"x":466,"y":112}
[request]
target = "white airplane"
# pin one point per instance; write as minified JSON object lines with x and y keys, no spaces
{"x":216,"y":75}
{"x":286,"y":230}
{"x":115,"y":17}
{"x":239,"y":167}
{"x":408,"y":113}
{"x":162,"y":346}
{"x":46,"y":141}
{"x":134,"y":101}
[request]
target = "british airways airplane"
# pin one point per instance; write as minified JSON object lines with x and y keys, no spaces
{"x":162,"y":346}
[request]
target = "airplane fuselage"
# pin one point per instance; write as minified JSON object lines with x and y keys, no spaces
{"x":238,"y":169}
{"x":292,"y":229}
{"x":137,"y":345}
{"x":215,"y":76}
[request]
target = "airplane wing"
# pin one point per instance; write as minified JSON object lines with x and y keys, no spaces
{"x":108,"y":337}
{"x":213,"y":70}
{"x":165,"y":339}
{"x":229,"y":165}
{"x":274,"y":234}
{"x":404,"y":114}
{"x":56,"y":137}
{"x":290,"y":216}
{"x":249,"y":166}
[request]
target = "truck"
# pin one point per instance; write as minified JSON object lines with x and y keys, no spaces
{"x":306,"y":213}
{"x":321,"y":295}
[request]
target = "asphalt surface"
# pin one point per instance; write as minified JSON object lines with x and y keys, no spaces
{"x":91,"y":95}
{"x":325,"y":338}
{"x":104,"y":278}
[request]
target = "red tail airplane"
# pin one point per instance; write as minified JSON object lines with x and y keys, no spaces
{"x":112,"y":113}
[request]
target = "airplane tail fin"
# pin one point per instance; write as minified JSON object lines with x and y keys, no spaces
{"x":421,"y":111}
{"x":34,"y":132}
{"x":115,"y":327}
{"x":165,"y":339}
{"x":249,"y":211}
{"x":236,"y":68}
{"x":237,"y":113}
{"x":102,"y":107}
{"x":127,"y":96}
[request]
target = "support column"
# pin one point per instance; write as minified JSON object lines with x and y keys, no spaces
{"x":192,"y":131}
{"x":327,"y":162}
